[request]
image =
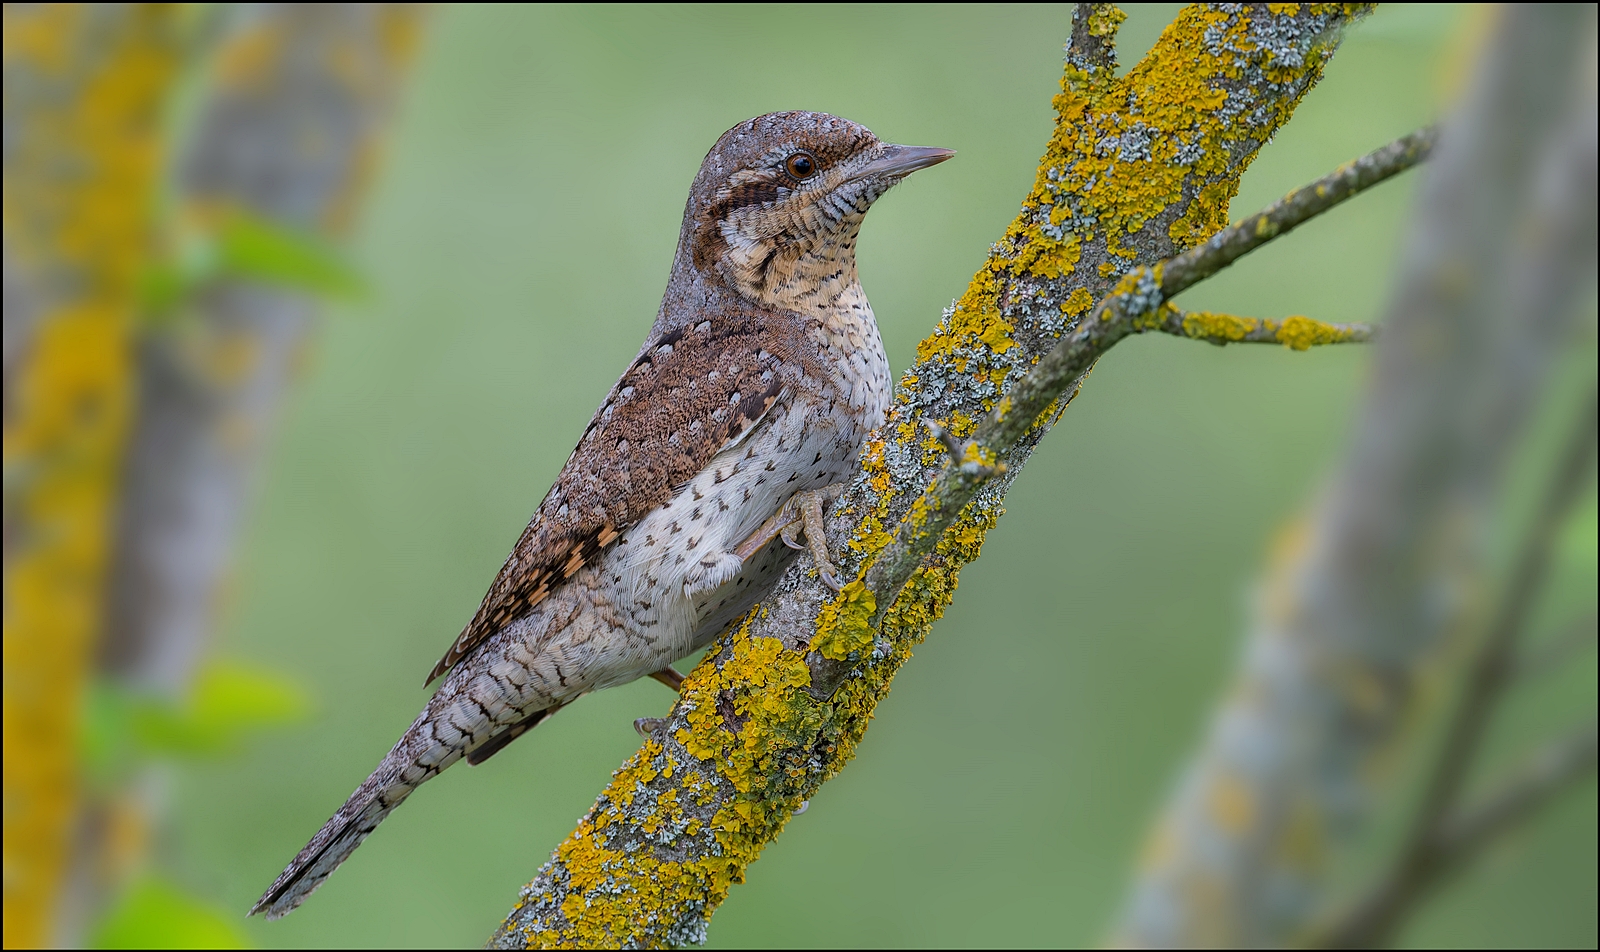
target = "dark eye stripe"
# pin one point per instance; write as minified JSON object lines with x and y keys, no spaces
{"x":748,"y":193}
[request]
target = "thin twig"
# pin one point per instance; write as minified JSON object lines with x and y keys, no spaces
{"x":1529,"y":787}
{"x":1141,"y":292}
{"x":964,"y":454}
{"x":1294,"y":332}
{"x":1426,"y":853}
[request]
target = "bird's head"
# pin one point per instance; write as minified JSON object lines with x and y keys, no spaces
{"x":776,"y":207}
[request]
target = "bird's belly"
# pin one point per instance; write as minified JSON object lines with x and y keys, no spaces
{"x":675,"y":562}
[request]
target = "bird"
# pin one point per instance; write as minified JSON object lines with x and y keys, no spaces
{"x":689,"y":491}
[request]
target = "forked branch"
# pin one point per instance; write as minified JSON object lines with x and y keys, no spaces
{"x":1138,"y":303}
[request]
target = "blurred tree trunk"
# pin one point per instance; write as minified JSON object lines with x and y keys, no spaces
{"x":1389,"y":564}
{"x":143,"y":368}
{"x":295,"y":102}
{"x":84,"y":90}
{"x":294,"y":108}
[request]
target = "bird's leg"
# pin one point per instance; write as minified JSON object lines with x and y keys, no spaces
{"x":670,"y":677}
{"x":769,"y":529}
{"x":802,"y":513}
{"x":810,"y":522}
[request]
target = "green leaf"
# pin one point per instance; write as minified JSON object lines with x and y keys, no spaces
{"x":229,"y":702}
{"x":246,"y":246}
{"x":162,"y":285}
{"x":155,"y":914}
{"x":235,"y":698}
{"x":252,"y":247}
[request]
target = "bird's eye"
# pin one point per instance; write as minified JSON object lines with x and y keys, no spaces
{"x":801,"y":165}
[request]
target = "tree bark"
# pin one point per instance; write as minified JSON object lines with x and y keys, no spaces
{"x":294,"y":106}
{"x":288,"y":134}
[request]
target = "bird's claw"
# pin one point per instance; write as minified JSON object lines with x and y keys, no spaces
{"x":801,"y":515}
{"x":790,"y":534}
{"x":649,"y":726}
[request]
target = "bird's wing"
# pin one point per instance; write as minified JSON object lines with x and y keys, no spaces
{"x":690,"y":392}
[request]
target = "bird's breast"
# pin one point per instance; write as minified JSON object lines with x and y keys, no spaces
{"x":847,"y":331}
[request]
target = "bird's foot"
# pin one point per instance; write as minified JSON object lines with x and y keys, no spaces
{"x":670,"y":677}
{"x":801,"y":514}
{"x":649,"y":726}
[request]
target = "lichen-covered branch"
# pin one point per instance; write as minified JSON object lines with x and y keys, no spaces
{"x":1294,"y":332}
{"x":1138,"y":303}
{"x":1363,"y":592}
{"x":84,"y":85}
{"x":1138,"y":170}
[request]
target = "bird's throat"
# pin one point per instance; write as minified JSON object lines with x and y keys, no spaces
{"x":811,"y":278}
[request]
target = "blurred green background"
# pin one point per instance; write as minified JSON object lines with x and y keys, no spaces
{"x":517,"y":242}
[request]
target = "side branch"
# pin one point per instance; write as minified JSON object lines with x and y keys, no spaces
{"x":1460,"y":837}
{"x":1294,"y":332}
{"x":1553,"y":769}
{"x":1578,"y":637}
{"x":1295,"y":209}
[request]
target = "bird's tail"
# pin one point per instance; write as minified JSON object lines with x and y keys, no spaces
{"x":401,"y":771}
{"x":452,"y":725}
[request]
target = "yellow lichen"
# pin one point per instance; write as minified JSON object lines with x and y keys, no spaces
{"x":1295,"y":332}
{"x":1206,"y":325}
{"x":843,"y":624}
{"x":1077,"y":302}
{"x":1105,"y":19}
{"x":1232,"y":803}
{"x":1302,"y":333}
{"x":78,"y":190}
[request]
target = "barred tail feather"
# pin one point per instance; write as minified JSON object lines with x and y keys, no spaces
{"x":416,"y":758}
{"x":456,"y":722}
{"x":332,"y":845}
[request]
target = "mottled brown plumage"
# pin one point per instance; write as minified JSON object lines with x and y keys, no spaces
{"x":690,"y":392}
{"x":749,"y":401}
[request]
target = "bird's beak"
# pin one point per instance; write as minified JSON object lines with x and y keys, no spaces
{"x":902,"y":160}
